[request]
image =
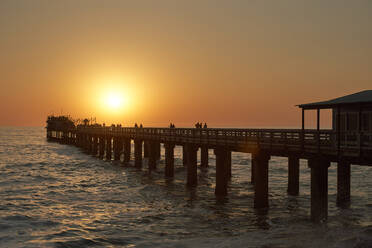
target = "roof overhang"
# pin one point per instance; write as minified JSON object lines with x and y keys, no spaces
{"x":360,"y":98}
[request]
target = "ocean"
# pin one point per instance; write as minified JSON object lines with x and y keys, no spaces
{"x":54,"y":195}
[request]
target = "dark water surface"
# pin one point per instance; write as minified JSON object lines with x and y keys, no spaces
{"x":54,"y":195}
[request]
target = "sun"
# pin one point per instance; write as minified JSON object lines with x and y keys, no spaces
{"x":114,"y":100}
{"x":113,"y":97}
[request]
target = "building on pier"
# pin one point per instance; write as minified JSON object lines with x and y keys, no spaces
{"x":351,"y":118}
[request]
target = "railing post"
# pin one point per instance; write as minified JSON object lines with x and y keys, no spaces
{"x":338,"y":131}
{"x":303,"y":130}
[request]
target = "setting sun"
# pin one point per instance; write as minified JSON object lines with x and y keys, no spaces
{"x":114,"y":100}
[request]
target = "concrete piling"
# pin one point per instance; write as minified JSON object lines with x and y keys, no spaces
{"x":127,"y":150}
{"x":204,"y":156}
{"x":293,"y":175}
{"x":261,"y":185}
{"x":222,"y":170}
{"x":343,"y":183}
{"x":192,"y":169}
{"x":108,"y":148}
{"x":138,"y":153}
{"x":169,"y":159}
{"x":319,"y":188}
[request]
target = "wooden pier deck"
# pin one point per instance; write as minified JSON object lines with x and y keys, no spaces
{"x":319,"y":147}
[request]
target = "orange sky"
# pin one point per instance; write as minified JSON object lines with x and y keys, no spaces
{"x":229,"y":63}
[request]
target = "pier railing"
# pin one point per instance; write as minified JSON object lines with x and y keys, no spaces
{"x":313,"y":141}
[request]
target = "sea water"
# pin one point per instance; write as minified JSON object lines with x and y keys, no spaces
{"x":54,"y":195}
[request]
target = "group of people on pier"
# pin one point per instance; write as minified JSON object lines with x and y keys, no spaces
{"x":136,"y":126}
{"x":171,"y":125}
{"x":200,"y":125}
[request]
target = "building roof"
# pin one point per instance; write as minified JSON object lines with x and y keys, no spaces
{"x":360,"y":97}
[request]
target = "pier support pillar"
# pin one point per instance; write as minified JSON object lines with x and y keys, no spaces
{"x":184,"y":155}
{"x":192,"y":169}
{"x":127,"y":149}
{"x":152,"y":155}
{"x":117,"y":148}
{"x":169,"y":159}
{"x":293,"y":175}
{"x":78,"y":140}
{"x":138,"y":153}
{"x":84,"y":143}
{"x":319,"y":188}
{"x":146,"y":148}
{"x":108,"y":148}
{"x":228,"y":164}
{"x":222,"y":170}
{"x":89,"y":144}
{"x":95,"y":146}
{"x":157,"y":150}
{"x":253,"y":164}
{"x":261,"y":182}
{"x":101,"y":144}
{"x":204,"y":156}
{"x":343,"y":183}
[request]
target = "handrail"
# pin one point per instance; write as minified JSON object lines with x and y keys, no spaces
{"x":308,"y":139}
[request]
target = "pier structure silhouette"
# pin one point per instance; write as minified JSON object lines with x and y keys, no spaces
{"x":348,"y":142}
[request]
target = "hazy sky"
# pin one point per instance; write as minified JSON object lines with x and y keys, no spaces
{"x":229,"y":63}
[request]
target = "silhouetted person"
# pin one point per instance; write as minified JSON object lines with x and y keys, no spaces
{"x":135,"y":125}
{"x":205,"y":125}
{"x":141,"y":125}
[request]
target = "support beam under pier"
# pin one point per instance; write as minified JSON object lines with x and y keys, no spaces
{"x":108,"y":148}
{"x":204,"y":156}
{"x":261,"y":176}
{"x":138,"y":153}
{"x":101,"y":144}
{"x":319,"y":188}
{"x":253,"y":164}
{"x":127,"y":150}
{"x":222,"y":170}
{"x":89,"y":144}
{"x":158,"y":150}
{"x":192,"y":169}
{"x":228,"y":164}
{"x":118,"y":146}
{"x":95,"y":146}
{"x":169,"y":159}
{"x":152,"y":154}
{"x":184,"y":155}
{"x":293,"y":175}
{"x":343,"y":183}
{"x":146,"y":149}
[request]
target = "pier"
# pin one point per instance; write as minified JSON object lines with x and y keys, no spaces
{"x":348,"y":142}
